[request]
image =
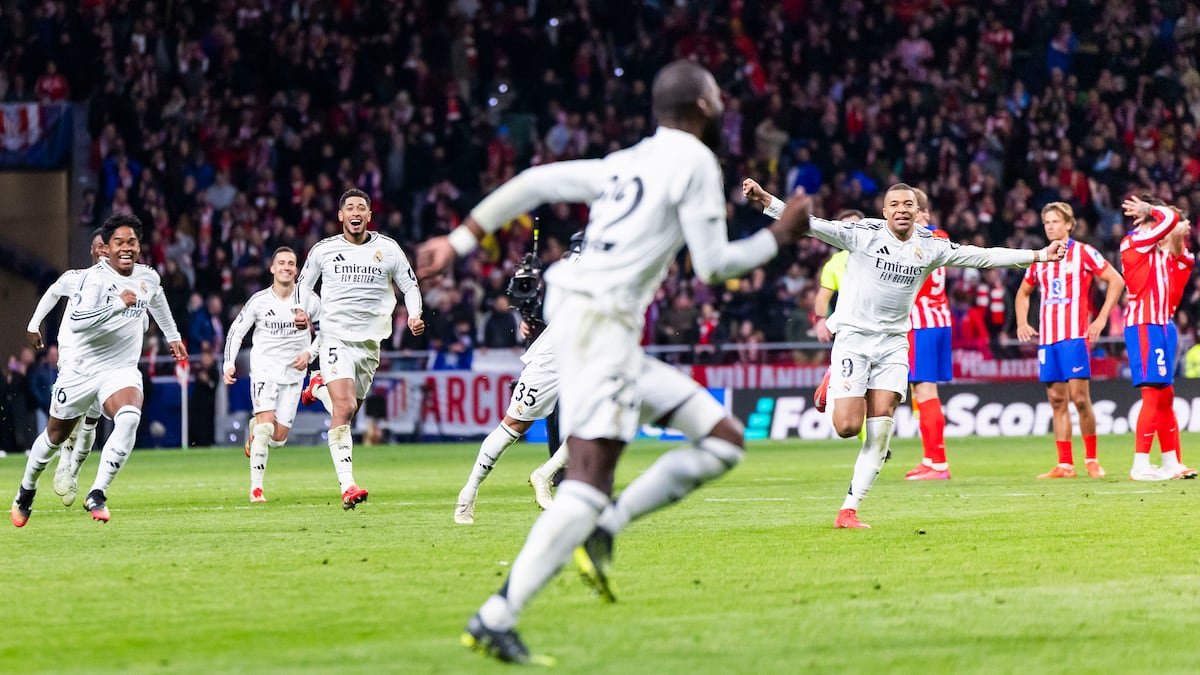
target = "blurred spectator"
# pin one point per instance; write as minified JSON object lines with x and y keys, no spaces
{"x":202,"y":401}
{"x":41,"y":381}
{"x":500,"y":327}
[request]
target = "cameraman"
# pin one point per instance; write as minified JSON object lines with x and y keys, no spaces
{"x":500,"y":328}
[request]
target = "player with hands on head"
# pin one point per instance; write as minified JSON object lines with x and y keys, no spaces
{"x":1148,"y":338}
{"x":283,"y":348}
{"x":1067,"y":333}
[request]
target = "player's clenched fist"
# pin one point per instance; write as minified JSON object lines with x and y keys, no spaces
{"x":301,"y":318}
{"x":1057,"y":250}
{"x":416,"y":325}
{"x":128,"y":297}
{"x":755,"y":194}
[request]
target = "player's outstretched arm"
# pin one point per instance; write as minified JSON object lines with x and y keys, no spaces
{"x":574,"y":181}
{"x":954,"y":255}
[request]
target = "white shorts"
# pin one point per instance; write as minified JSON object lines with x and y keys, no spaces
{"x":534,"y":394}
{"x":75,"y":394}
{"x":862,"y":361}
{"x":342,"y":360}
{"x":281,"y":399}
{"x":663,"y":389}
{"x":598,"y":354}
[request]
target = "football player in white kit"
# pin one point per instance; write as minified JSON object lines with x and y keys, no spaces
{"x":534,"y":396}
{"x":357,"y":269}
{"x":889,"y":261}
{"x":283,"y":347}
{"x":647,"y":202}
{"x":107,"y":314}
{"x":79,"y":443}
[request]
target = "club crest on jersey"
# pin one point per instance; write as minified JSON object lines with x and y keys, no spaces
{"x":378,"y":256}
{"x":918,"y":254}
{"x":144,"y":287}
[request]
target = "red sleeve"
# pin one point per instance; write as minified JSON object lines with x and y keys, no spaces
{"x":1093,"y":261}
{"x":1031,"y":275}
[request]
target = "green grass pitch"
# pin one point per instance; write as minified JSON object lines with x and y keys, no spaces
{"x":993,"y":571}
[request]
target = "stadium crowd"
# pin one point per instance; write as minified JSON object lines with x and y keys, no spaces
{"x":233,"y":131}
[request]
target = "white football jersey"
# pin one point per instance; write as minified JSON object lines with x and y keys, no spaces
{"x":884,"y":274}
{"x":63,"y":287}
{"x":541,"y":351}
{"x":647,"y":201}
{"x":108,"y":335}
{"x":356,"y":286}
{"x":277,"y":340}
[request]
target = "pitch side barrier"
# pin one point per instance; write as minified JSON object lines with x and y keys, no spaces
{"x":1015,"y":409}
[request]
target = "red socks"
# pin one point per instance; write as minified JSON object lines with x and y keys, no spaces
{"x":1168,"y":424}
{"x":1065,"y":455}
{"x":933,"y":430}
{"x":1147,"y":421}
{"x":1089,"y":446}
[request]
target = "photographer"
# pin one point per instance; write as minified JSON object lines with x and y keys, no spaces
{"x":500,"y":328}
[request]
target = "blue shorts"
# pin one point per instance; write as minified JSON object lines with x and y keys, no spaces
{"x":929,"y":355}
{"x":1151,"y":350}
{"x":1064,"y":360}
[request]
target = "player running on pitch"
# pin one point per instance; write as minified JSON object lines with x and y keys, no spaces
{"x":79,"y":443}
{"x":283,"y":347}
{"x":889,"y":261}
{"x":647,"y":202}
{"x":1064,"y":360}
{"x":357,"y":269}
{"x":533,"y":398}
{"x":107,"y":314}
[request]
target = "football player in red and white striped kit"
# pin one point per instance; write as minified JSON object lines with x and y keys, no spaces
{"x":1180,"y":263}
{"x":930,"y":360}
{"x":1147,"y":336}
{"x":1067,"y":332}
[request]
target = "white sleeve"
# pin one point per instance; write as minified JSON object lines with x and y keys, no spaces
{"x":314,"y":320}
{"x":833,"y":232}
{"x":237,"y":331}
{"x":702,"y":217}
{"x":403,"y":275}
{"x":90,"y":306}
{"x":955,"y":255}
{"x":162,"y":316}
{"x":578,"y":181}
{"x":307,"y":281}
{"x":61,"y":288}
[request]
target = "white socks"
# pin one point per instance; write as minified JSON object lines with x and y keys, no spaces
{"x":321,"y":393}
{"x":39,"y":456}
{"x":341,"y":449}
{"x":84,"y":439}
{"x":120,"y":444}
{"x":565,"y":525}
{"x":670,"y":479}
{"x":870,"y":460}
{"x":556,"y":463}
{"x":259,"y":453}
{"x":501,"y":438}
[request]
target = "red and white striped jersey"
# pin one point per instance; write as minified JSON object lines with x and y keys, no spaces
{"x":1066,"y":292}
{"x":931,"y":309}
{"x":1146,"y":274}
{"x":1180,"y":272}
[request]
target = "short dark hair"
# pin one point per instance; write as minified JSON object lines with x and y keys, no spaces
{"x":98,"y":232}
{"x":353,"y":192}
{"x":117,"y":220}
{"x":676,"y":89}
{"x":282,"y":249}
{"x":900,"y":186}
{"x":850,"y":213}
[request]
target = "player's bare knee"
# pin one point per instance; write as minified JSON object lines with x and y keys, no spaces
{"x":1082,"y":401}
{"x":519,"y":426}
{"x":731,"y":431}
{"x":847,"y":428}
{"x":700,"y":416}
{"x":280,"y":433}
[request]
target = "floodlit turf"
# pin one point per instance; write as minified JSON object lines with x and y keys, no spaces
{"x":993,"y":571}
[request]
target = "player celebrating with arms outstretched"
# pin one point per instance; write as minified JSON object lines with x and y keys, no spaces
{"x":357,"y":269}
{"x":647,"y":202}
{"x":1147,"y":337}
{"x":107,"y":315}
{"x":1064,"y":362}
{"x":283,"y":347}
{"x":889,"y":261}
